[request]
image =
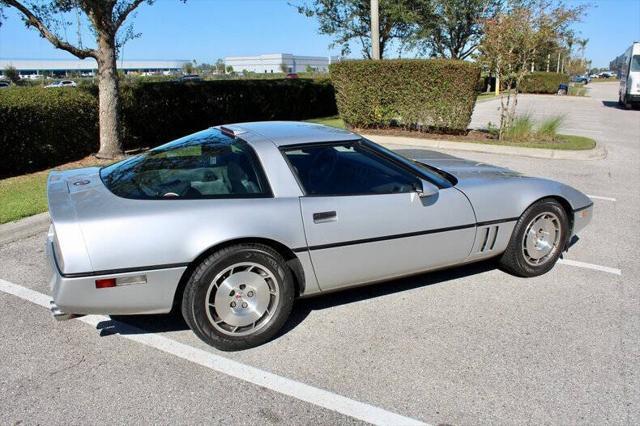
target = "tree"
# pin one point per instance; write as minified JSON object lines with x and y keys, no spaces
{"x":350,"y":20}
{"x":219,"y":66}
{"x":12,"y":74}
{"x":187,"y":68}
{"x":449,"y":28}
{"x":106,"y":18}
{"x":229,"y":69}
{"x":513,"y":38}
{"x":575,"y":66}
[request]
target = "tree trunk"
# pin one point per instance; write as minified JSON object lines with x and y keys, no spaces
{"x":109,"y":100}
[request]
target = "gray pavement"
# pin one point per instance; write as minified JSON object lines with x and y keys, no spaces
{"x":464,"y":346}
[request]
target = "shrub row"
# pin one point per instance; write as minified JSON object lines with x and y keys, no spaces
{"x":421,"y":95}
{"x":42,"y":127}
{"x":154,"y":113}
{"x":542,"y":82}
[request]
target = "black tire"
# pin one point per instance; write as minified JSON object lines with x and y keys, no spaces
{"x":514,"y":259}
{"x":194,"y":301}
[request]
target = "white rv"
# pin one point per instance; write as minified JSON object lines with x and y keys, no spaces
{"x":629,"y":95}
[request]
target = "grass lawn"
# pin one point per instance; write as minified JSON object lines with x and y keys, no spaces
{"x":23,"y":196}
{"x":26,"y":195}
{"x":565,"y":142}
{"x":605,"y":80}
{"x":333,"y":121}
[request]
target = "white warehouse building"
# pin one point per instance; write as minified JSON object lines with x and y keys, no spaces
{"x":86,"y":66}
{"x":275,"y":62}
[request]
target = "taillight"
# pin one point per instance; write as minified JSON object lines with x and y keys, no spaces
{"x":106,"y":283}
{"x":122,"y":281}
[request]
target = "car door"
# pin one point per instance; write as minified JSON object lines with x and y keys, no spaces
{"x":365,"y":221}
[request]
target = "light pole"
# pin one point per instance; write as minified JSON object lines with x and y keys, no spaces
{"x":375,"y":30}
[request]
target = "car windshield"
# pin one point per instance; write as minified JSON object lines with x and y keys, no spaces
{"x":207,"y":164}
{"x":430,"y":173}
{"x":635,"y":63}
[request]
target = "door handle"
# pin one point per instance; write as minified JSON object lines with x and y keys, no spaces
{"x":321,"y":217}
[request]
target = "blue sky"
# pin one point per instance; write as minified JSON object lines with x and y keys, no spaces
{"x":208,"y":29}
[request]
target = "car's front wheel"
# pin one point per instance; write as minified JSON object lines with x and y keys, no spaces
{"x":239,"y":297}
{"x":537,"y":240}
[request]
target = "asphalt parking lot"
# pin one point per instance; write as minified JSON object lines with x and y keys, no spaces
{"x":464,"y":346}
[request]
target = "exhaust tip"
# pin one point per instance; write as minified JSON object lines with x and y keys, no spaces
{"x":59,"y":315}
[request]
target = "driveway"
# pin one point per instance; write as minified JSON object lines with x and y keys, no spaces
{"x":465,"y":346}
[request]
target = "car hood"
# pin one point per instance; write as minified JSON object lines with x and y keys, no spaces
{"x":465,"y":170}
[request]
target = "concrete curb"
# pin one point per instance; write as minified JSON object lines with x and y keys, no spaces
{"x":597,"y":153}
{"x":23,"y":228}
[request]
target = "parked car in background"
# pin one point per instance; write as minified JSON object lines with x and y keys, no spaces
{"x":583,"y":79}
{"x":231,"y":224}
{"x":292,"y":75}
{"x":63,"y":83}
{"x":629,"y":92}
{"x":190,"y":77}
{"x":4,"y":84}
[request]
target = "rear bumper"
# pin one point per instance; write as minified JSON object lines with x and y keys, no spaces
{"x":79,"y":296}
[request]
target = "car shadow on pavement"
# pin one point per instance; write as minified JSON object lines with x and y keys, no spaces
{"x":148,"y":324}
{"x":303,"y":307}
{"x":612,"y":104}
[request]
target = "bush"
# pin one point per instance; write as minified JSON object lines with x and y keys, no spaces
{"x":423,"y":95}
{"x":521,"y":129}
{"x":542,"y":82}
{"x":548,"y":129}
{"x":154,"y":113}
{"x":42,"y":128}
{"x":45,"y":127}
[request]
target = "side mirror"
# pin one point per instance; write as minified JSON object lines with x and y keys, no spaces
{"x":426,"y":189}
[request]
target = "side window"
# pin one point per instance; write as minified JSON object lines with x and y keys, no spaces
{"x":200,"y":166}
{"x":347,"y":169}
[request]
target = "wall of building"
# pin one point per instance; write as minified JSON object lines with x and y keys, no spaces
{"x":84,"y":66}
{"x":272,"y":63}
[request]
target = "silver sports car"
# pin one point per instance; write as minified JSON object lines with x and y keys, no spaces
{"x":233,"y":223}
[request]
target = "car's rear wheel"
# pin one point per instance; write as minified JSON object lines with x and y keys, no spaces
{"x":239,"y":297}
{"x":537,"y":240}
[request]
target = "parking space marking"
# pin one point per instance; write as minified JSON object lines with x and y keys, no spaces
{"x":568,"y":129}
{"x":598,"y":197}
{"x":585,"y":265}
{"x":298,"y":390}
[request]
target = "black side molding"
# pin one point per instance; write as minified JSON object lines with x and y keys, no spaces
{"x":583,"y":208}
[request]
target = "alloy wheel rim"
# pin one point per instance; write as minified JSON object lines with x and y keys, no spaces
{"x":541,"y":239}
{"x":242,"y":299}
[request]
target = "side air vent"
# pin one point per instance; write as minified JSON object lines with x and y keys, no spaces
{"x":488,"y":237}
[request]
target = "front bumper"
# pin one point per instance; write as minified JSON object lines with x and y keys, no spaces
{"x":75,"y":296}
{"x":581,"y":218}
{"x":634,"y":98}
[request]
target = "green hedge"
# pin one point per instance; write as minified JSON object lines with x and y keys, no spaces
{"x":542,"y":82}
{"x":154,"y":113}
{"x":435,"y":94}
{"x":43,"y":127}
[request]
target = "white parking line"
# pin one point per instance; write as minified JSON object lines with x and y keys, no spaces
{"x":598,"y":197}
{"x":283,"y":385}
{"x":585,"y":265}
{"x":577,"y":131}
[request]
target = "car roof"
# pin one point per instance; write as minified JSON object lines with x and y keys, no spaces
{"x":284,"y":133}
